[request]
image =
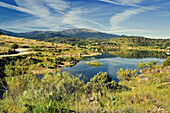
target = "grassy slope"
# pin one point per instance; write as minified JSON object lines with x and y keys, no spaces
{"x":7,"y":41}
{"x":143,"y":43}
{"x":152,"y":94}
{"x":45,"y":53}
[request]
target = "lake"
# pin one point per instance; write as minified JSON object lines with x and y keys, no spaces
{"x":111,"y":63}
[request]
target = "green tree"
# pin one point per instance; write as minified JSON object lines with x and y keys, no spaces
{"x":14,"y":46}
{"x":72,"y":44}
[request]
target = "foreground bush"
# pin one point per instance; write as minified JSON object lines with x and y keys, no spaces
{"x":50,"y":94}
{"x":167,"y":62}
{"x":103,"y":81}
{"x":62,"y":92}
{"x":126,"y":74}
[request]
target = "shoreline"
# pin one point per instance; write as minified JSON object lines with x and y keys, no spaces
{"x":66,"y":64}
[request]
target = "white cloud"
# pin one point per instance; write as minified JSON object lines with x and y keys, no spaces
{"x":132,"y":3}
{"x":117,"y":19}
{"x":34,"y":7}
{"x":133,"y":30}
{"x":123,"y":2}
{"x":129,"y":2}
{"x":52,"y":14}
{"x":58,"y":5}
{"x":75,"y":19}
{"x":16,"y":8}
{"x":30,"y":24}
{"x":120,"y":17}
{"x":110,"y":1}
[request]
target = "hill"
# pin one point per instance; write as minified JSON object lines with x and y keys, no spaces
{"x":70,"y":33}
{"x":142,"y":41}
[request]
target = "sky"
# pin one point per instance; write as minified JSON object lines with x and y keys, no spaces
{"x":148,"y":18}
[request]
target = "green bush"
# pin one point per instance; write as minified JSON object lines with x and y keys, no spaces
{"x":50,"y":94}
{"x":167,"y":62}
{"x":103,"y":81}
{"x":126,"y":74}
{"x":83,"y":51}
{"x":147,"y":64}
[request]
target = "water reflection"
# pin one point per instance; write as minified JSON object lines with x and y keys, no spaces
{"x":138,"y":54}
{"x":114,"y":60}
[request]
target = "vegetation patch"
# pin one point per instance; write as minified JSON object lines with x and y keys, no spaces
{"x":94,"y":63}
{"x":167,"y":62}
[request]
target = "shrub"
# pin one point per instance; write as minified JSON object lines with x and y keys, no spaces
{"x":50,"y":94}
{"x":167,"y":62}
{"x":13,"y":69}
{"x":126,"y":74}
{"x":98,"y":82}
{"x":41,"y":64}
{"x":24,"y":46}
{"x":147,"y":64}
{"x":103,"y":81}
{"x":142,"y":65}
{"x":53,"y":53}
{"x":83,"y":51}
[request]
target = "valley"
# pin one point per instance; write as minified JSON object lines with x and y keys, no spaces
{"x":84,"y":75}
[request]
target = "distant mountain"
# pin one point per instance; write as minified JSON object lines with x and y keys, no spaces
{"x":70,"y":33}
{"x":7,"y":33}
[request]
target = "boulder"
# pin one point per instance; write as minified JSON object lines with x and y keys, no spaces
{"x":142,"y":78}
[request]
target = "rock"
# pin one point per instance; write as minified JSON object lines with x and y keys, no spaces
{"x":116,"y":111}
{"x":92,"y":98}
{"x":154,"y":100}
{"x":158,"y":110}
{"x":165,"y":69}
{"x":100,"y":94}
{"x":168,"y":77}
{"x":166,"y":83}
{"x":94,"y":103}
{"x":143,"y":70}
{"x":143,"y":78}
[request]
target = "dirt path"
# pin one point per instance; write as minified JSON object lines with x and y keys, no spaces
{"x":21,"y":52}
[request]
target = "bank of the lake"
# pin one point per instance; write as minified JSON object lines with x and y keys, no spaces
{"x":110,"y":65}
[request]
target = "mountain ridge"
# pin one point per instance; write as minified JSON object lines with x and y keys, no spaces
{"x":80,"y":33}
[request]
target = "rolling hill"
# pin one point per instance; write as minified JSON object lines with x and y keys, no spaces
{"x":70,"y":33}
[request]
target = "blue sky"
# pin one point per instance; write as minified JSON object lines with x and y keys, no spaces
{"x":148,"y":18}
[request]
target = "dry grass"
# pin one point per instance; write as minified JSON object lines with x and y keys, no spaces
{"x":7,"y":41}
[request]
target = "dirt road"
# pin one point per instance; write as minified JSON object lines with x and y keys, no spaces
{"x":21,"y":52}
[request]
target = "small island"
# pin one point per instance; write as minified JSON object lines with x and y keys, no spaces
{"x":94,"y":63}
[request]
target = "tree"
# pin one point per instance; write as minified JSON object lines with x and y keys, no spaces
{"x":14,"y":46}
{"x":72,"y":44}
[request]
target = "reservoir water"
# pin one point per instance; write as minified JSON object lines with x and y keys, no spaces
{"x":111,"y":64}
